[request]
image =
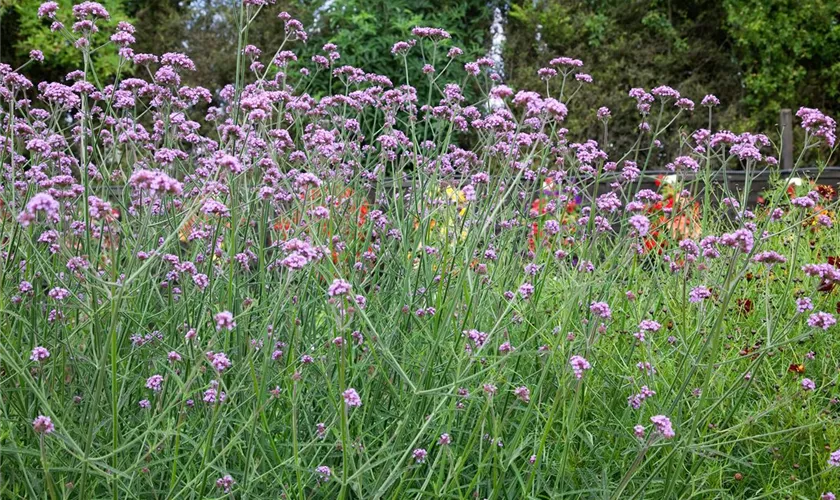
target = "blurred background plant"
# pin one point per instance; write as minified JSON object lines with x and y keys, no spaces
{"x":757,"y":56}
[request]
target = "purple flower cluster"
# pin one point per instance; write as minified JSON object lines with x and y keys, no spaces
{"x":601,"y":309}
{"x":39,"y":354}
{"x":579,"y":364}
{"x":351,"y":398}
{"x":43,"y":425}
{"x":224,"y":321}
{"x":822,"y":320}
{"x":818,"y":124}
{"x":663,"y":426}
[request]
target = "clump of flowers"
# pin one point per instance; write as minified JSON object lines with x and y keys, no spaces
{"x":523,"y":394}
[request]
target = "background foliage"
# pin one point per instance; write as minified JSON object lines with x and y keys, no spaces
{"x":758,"y":56}
{"x":26,"y":32}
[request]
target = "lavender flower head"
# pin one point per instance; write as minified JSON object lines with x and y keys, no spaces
{"x":526,"y":290}
{"x":663,"y":426}
{"x":579,"y":364}
{"x":323,"y":472}
{"x":698,"y":294}
{"x":339,"y":287}
{"x":351,"y":398}
{"x":818,"y":124}
{"x":225,"y":483}
{"x":155,"y":383}
{"x":48,"y":10}
{"x":43,"y":425}
{"x":822,"y":320}
{"x":224,"y":321}
{"x":523,"y":394}
{"x":804,"y":304}
{"x":770,"y":257}
{"x":834,"y":459}
{"x":39,"y":354}
{"x":41,"y":202}
{"x":601,"y":309}
{"x":710,"y":100}
{"x":219,"y":360}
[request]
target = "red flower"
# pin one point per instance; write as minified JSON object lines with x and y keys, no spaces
{"x":363,"y":211}
{"x":745,"y":305}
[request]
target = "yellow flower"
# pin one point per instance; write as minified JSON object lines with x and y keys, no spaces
{"x":456,"y":196}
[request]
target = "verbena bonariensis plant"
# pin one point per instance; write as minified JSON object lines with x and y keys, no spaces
{"x":337,"y":297}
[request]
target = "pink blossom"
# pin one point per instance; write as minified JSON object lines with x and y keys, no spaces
{"x":41,"y":202}
{"x":639,"y":431}
{"x":579,"y":364}
{"x":523,"y":394}
{"x":601,"y":309}
{"x":155,"y":383}
{"x":339,"y":287}
{"x":225,"y":483}
{"x":822,"y":320}
{"x":324,"y":473}
{"x":39,"y":354}
{"x":219,"y":360}
{"x":834,"y":459}
{"x":43,"y":425}
{"x":663,"y":426}
{"x":224,"y":320}
{"x":351,"y":398}
{"x":48,"y":9}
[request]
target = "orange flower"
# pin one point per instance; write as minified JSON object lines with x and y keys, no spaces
{"x":363,"y":211}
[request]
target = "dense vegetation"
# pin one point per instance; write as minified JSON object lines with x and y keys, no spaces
{"x":318,"y":281}
{"x":757,"y":56}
